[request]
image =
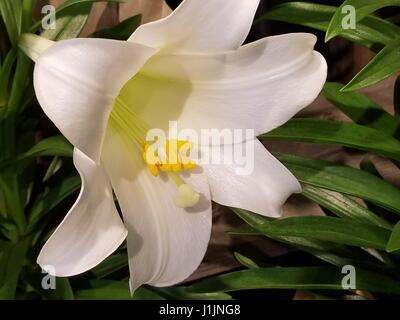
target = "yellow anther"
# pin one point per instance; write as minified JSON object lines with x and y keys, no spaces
{"x":153,"y":169}
{"x":168,"y":158}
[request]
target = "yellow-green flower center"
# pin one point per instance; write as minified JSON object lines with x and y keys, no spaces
{"x":169,"y":156}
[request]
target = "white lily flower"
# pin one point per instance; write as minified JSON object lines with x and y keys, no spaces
{"x":103,"y":95}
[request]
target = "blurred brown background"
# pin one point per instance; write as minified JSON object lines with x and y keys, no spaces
{"x":344,"y":59}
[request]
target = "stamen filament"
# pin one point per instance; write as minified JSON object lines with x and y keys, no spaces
{"x":175,"y":178}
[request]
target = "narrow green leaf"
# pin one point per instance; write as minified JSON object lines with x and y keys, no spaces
{"x":361,"y":109}
{"x":371,"y":32}
{"x":20,"y":83}
{"x":5,"y":45}
{"x":121,"y":31}
{"x":63,"y":290}
{"x":55,"y":196}
{"x":5,"y":76}
{"x":394,"y":241}
{"x":343,"y":206}
{"x":53,"y":168}
{"x":112,"y":264}
{"x":180,"y":293}
{"x":247,"y":262}
{"x":53,"y":146}
{"x":381,"y":67}
{"x":14,"y":204}
{"x":343,"y":179}
{"x":295,"y":278}
{"x":368,"y":166}
{"x":362,"y":8}
{"x":12,"y":259}
{"x":336,"y":133}
{"x":26,"y":15}
{"x":114,"y":290}
{"x":11,"y":11}
{"x":335,"y":230}
{"x":333,"y":253}
{"x":67,"y":4}
{"x":245,"y":231}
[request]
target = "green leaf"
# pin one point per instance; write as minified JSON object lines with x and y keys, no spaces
{"x":11,"y":11}
{"x":335,"y":254}
{"x":180,"y":293}
{"x":343,"y":206}
{"x":336,"y":133}
{"x":121,"y":31}
{"x":394,"y":241}
{"x":381,"y":67}
{"x":396,"y":97}
{"x":371,"y":32}
{"x":335,"y":230}
{"x":20,"y":83}
{"x":112,"y":264}
{"x":12,"y":258}
{"x":55,"y":196}
{"x":343,"y":179}
{"x":368,"y":166}
{"x":14,"y":204}
{"x":362,"y":8}
{"x":53,"y":146}
{"x":26,"y":14}
{"x":114,"y":290}
{"x":63,"y":290}
{"x":361,"y":109}
{"x":247,"y":262}
{"x":53,"y":168}
{"x":5,"y":76}
{"x":295,"y":278}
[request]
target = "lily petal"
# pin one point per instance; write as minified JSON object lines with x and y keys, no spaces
{"x":200,"y":26}
{"x":261,"y":186}
{"x":92,"y":229}
{"x":76,"y":82}
{"x":166,"y":244}
{"x":259,"y":86}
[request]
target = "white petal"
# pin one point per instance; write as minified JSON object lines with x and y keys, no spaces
{"x":260,"y":86}
{"x":165,"y":243}
{"x":200,"y":26}
{"x":92,"y":229}
{"x":76,"y":82}
{"x":260,"y":184}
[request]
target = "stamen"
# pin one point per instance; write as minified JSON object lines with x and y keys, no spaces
{"x":171,"y":162}
{"x":170,"y":158}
